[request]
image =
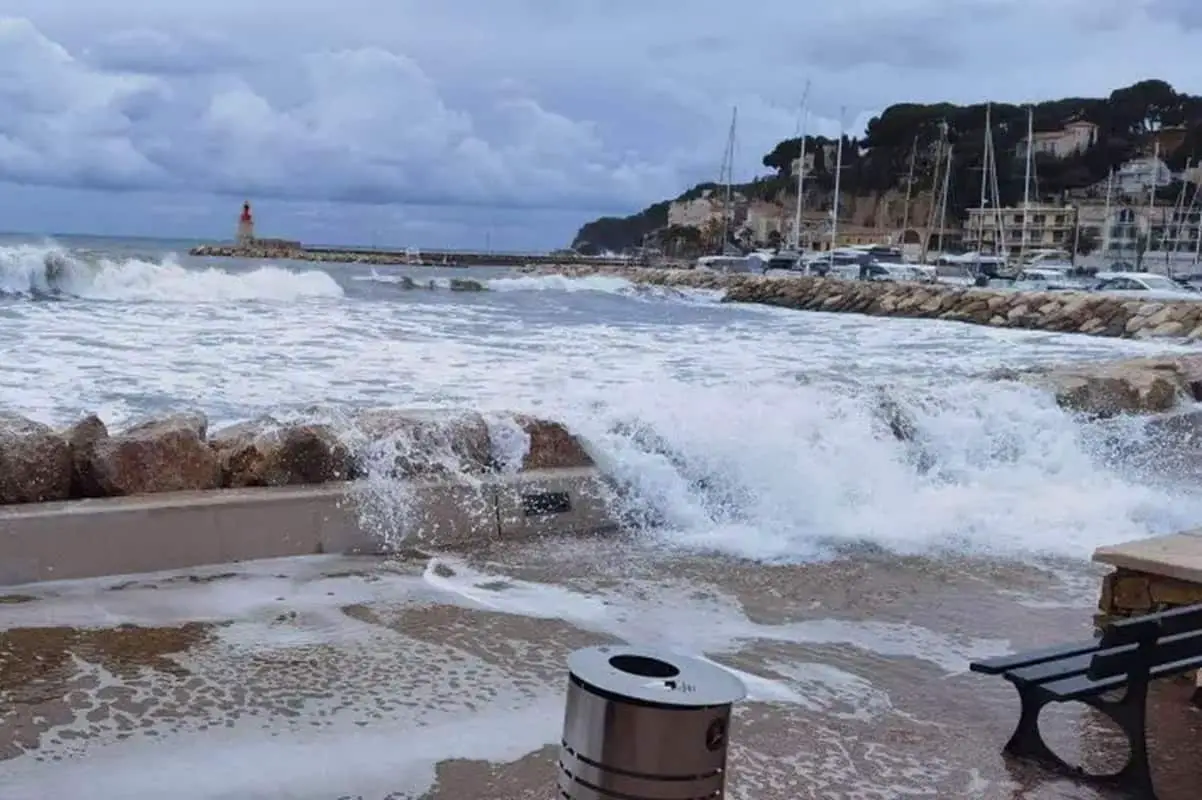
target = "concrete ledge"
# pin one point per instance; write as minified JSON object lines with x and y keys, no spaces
{"x":151,"y":533}
{"x":1177,"y":555}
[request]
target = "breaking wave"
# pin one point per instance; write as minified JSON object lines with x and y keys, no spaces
{"x":599,"y":284}
{"x":803,"y":472}
{"x":48,"y":272}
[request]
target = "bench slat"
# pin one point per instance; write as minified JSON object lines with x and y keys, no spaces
{"x":1058,"y":669}
{"x":1151,"y":626}
{"x":1000,"y":664}
{"x":1120,"y":661}
{"x":1082,"y":686}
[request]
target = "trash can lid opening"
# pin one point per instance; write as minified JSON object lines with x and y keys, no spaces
{"x":643,"y":666}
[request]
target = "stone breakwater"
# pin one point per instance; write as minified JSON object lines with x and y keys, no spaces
{"x":177,"y":452}
{"x":269,"y":250}
{"x":1068,"y":312}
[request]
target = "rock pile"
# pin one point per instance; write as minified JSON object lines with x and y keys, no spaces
{"x":1107,"y":389}
{"x":1069,"y":312}
{"x":178,"y":453}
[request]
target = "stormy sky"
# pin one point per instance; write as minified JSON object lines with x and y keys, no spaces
{"x":452,"y":123}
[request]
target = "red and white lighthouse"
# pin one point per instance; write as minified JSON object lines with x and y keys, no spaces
{"x":246,"y":226}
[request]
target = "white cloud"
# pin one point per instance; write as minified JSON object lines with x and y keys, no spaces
{"x":601,"y":105}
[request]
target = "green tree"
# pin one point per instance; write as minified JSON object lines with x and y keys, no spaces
{"x":1146,"y":106}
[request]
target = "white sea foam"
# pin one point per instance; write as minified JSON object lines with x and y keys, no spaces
{"x":599,"y":284}
{"x":673,"y":616}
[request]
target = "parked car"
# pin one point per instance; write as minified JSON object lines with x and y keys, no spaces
{"x":1144,"y":285}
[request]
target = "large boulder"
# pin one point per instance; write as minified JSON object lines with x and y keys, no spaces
{"x":35,"y":462}
{"x":265,"y":452}
{"x":163,"y":455}
{"x":405,"y":443}
{"x":1136,"y":386}
{"x":83,"y":437}
{"x":552,"y":445}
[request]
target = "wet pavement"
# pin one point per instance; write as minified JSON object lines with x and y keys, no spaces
{"x":442,"y":678}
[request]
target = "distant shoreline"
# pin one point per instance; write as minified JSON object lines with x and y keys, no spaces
{"x":410,"y":257}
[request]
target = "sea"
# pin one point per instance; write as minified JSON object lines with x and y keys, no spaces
{"x":784,"y":531}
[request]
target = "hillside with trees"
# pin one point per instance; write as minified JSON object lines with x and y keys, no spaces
{"x":879,"y":160}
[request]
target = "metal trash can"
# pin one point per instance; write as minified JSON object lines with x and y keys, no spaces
{"x":645,"y":724}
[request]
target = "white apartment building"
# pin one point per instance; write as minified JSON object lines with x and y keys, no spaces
{"x":1001,"y":229}
{"x":1075,"y":137}
{"x":1168,"y":237}
{"x":1139,"y":175}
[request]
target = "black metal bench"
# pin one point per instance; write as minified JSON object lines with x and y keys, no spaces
{"x":1127,"y":656}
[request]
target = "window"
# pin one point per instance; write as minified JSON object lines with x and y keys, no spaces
{"x":1119,"y":285}
{"x":1158,"y":283}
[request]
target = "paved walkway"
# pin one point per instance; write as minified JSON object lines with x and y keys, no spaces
{"x":333,"y":678}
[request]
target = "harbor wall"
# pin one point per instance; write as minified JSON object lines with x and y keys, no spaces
{"x":271,"y":249}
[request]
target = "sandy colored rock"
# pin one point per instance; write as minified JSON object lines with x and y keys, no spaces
{"x":83,"y":437}
{"x":162,"y":455}
{"x":265,"y":452}
{"x":35,"y":462}
{"x":552,"y":445}
{"x":427,"y":444}
{"x":1137,"y":386}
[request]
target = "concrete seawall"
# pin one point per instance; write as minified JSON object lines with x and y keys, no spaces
{"x":166,"y":493}
{"x":1068,"y":312}
{"x":178,"y":530}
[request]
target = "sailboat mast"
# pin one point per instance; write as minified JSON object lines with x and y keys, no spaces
{"x":1106,"y":214}
{"x":1198,"y":245}
{"x":984,"y":182}
{"x":801,"y":168}
{"x":838,"y":173}
{"x":1000,"y":248}
{"x":728,"y":178}
{"x":1022,"y":248}
{"x":909,"y":192}
{"x":936,"y":182}
{"x":1178,"y":208}
{"x":947,"y":179}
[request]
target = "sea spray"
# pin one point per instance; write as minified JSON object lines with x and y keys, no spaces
{"x":787,"y":474}
{"x":50,"y":271}
{"x":399,"y":452}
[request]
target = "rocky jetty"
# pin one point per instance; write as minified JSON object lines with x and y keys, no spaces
{"x":269,"y":249}
{"x":1068,"y":312}
{"x":1108,"y":389}
{"x":177,"y":452}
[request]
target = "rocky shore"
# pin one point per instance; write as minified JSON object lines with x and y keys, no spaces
{"x":177,"y":452}
{"x":1068,"y":312}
